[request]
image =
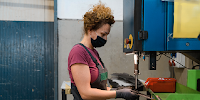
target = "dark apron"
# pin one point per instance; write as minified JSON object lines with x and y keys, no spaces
{"x":99,"y":83}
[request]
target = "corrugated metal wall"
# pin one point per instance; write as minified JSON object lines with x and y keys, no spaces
{"x":26,"y":60}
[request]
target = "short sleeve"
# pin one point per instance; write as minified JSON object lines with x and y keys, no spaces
{"x":77,"y":55}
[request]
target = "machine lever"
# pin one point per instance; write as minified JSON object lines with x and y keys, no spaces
{"x":140,"y":94}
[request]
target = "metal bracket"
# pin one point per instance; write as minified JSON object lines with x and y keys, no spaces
{"x":143,"y":35}
{"x":152,"y":65}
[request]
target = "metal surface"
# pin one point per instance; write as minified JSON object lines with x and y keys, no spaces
{"x":143,"y":95}
{"x":49,"y":60}
{"x":136,"y":81}
{"x":154,"y":23}
{"x":55,"y":52}
{"x":136,"y":69}
{"x":125,"y":80}
{"x":26,"y":60}
{"x":132,"y":24}
{"x":177,"y":43}
{"x":156,"y":17}
{"x":183,"y":44}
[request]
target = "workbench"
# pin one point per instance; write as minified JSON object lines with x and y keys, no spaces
{"x":66,"y":89}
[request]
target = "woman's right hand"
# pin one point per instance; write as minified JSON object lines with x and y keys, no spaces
{"x":126,"y":94}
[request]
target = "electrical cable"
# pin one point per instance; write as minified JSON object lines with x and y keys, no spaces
{"x":159,"y":57}
{"x":195,"y":66}
{"x":176,"y":61}
{"x":192,"y":63}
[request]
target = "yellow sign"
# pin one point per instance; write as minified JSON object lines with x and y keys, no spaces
{"x":124,"y":43}
{"x":130,"y":45}
{"x":186,"y":18}
{"x":131,"y":38}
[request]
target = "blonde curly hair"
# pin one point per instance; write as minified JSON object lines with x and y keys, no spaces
{"x":97,"y":17}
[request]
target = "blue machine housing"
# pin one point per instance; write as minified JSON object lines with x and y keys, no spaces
{"x":157,"y":18}
{"x":154,"y":23}
{"x":178,"y":43}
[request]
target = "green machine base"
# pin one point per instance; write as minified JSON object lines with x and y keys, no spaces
{"x":182,"y":93}
{"x":193,"y":79}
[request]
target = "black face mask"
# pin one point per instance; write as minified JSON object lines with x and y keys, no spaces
{"x":99,"y":42}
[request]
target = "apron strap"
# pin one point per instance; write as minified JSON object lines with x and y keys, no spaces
{"x":94,"y":60}
{"x":100,"y":60}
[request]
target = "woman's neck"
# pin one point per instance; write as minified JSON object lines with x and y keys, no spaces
{"x":87,"y":41}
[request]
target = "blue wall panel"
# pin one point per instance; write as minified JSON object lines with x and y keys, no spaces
{"x":26,"y":60}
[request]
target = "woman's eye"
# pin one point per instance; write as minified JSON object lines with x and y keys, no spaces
{"x":103,"y":34}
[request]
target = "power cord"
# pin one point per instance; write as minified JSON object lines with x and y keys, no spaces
{"x":175,"y":61}
{"x":193,"y":67}
{"x":159,"y":57}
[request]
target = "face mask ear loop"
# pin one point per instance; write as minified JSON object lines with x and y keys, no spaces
{"x":96,"y":33}
{"x":90,"y":36}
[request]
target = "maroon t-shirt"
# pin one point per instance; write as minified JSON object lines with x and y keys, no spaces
{"x":78,"y":54}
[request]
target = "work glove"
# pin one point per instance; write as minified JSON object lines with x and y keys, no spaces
{"x":126,"y":94}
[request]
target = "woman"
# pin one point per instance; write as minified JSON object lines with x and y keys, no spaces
{"x":87,"y":72}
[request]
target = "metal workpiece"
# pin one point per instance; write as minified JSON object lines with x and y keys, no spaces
{"x":140,"y":94}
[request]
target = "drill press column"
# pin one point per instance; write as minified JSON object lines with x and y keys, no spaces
{"x":136,"y":70}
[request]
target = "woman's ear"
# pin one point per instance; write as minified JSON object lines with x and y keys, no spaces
{"x":89,"y":32}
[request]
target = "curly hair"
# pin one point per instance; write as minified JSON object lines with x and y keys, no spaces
{"x":97,"y":17}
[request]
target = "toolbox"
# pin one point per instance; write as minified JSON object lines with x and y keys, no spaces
{"x":161,"y":84}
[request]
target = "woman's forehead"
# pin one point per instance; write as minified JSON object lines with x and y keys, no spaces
{"x":105,"y":28}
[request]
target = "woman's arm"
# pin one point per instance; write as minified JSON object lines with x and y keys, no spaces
{"x":81,"y":76}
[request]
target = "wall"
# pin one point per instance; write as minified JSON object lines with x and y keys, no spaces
{"x":26,"y":49}
{"x":181,"y":73}
{"x":23,"y":10}
{"x":70,"y":32}
{"x":75,"y":9}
